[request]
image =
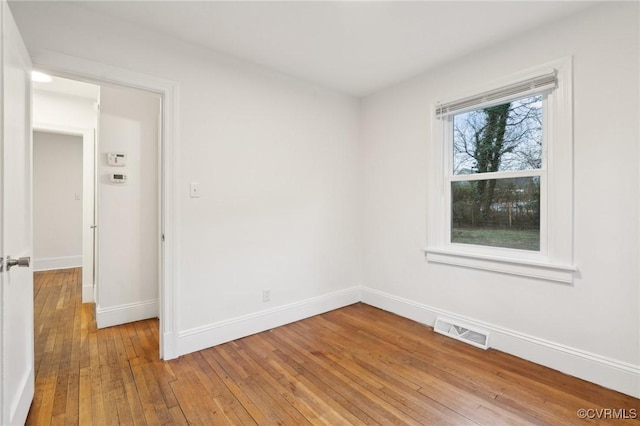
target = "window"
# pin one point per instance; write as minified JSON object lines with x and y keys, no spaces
{"x":502,"y":200}
{"x":504,"y":141}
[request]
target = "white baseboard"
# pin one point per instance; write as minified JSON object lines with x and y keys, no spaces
{"x":610,"y":373}
{"x":87,"y":294}
{"x":168,"y":346}
{"x":122,"y":314}
{"x":61,"y":262}
{"x":210,"y":335}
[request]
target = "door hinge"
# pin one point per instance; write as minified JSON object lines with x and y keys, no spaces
{"x":162,"y":238}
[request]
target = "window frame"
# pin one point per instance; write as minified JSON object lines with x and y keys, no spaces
{"x":450,"y":177}
{"x":554,"y":260}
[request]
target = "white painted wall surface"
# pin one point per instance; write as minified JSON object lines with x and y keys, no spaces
{"x":128,"y":241}
{"x":61,"y":110}
{"x":599,"y":313}
{"x":57,"y":199}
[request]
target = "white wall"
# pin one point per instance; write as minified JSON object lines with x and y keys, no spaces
{"x":128,"y":241}
{"x":62,"y":110}
{"x":77,"y":115}
{"x":596,"y":316}
{"x":278,"y":163}
{"x":57,"y":200}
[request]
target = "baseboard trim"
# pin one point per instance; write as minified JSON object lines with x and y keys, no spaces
{"x":61,"y":262}
{"x":168,"y":346}
{"x":87,"y":294}
{"x":122,"y":314}
{"x":199,"y":338}
{"x":610,"y":373}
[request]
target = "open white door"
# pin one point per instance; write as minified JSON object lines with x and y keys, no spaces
{"x":16,"y":278}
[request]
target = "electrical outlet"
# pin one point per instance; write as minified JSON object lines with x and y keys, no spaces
{"x":266,"y":295}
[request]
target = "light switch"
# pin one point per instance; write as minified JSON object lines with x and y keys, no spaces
{"x":194,"y":190}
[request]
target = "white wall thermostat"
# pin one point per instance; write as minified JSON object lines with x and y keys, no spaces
{"x":117,"y":178}
{"x":116,"y":158}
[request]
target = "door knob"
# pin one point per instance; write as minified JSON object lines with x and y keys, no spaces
{"x":23,"y":262}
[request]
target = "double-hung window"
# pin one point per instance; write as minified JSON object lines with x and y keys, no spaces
{"x":501,"y":199}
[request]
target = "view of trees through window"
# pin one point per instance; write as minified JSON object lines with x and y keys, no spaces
{"x":501,"y":211}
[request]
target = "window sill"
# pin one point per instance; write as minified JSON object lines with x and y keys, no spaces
{"x":505,"y":265}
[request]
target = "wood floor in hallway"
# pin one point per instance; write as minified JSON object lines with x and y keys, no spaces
{"x":356,"y":365}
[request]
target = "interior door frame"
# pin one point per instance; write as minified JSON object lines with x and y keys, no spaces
{"x":88,"y":141}
{"x":97,"y":73}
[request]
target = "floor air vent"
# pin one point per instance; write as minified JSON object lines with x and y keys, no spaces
{"x":462,"y":332}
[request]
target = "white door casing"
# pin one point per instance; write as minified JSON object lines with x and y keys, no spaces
{"x":98,"y":73}
{"x":16,"y":235}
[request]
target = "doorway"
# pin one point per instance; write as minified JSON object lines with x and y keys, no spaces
{"x":123,"y":225}
{"x":98,"y":73}
{"x":58,"y":201}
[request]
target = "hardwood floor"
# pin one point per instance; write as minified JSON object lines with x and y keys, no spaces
{"x":356,"y":365}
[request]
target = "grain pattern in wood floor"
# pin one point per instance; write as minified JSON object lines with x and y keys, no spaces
{"x":355,"y":365}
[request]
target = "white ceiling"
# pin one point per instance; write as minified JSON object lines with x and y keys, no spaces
{"x":356,"y":47}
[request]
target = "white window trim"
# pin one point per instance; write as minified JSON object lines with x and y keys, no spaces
{"x":554,"y":262}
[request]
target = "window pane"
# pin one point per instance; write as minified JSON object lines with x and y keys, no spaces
{"x":499,"y":138}
{"x":497,"y":212}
